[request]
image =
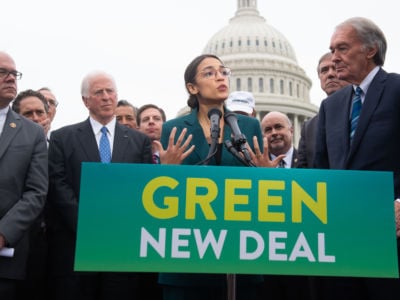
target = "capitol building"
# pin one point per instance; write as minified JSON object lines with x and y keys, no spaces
{"x":264,"y":63}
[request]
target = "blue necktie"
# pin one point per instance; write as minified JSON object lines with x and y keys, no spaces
{"x":355,"y":111}
{"x":104,"y":147}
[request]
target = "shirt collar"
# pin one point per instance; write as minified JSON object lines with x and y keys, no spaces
{"x":287,"y":158}
{"x":4,"y":111}
{"x":97,"y":126}
{"x":364,"y":85}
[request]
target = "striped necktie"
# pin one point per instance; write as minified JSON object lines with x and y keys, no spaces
{"x":104,"y":146}
{"x":355,"y":111}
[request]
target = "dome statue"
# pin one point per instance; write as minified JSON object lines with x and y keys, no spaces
{"x":264,"y":63}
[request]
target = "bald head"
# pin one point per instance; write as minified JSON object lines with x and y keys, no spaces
{"x":8,"y":79}
{"x":278,"y":130}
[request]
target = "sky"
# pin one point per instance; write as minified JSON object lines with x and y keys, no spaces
{"x":146,"y":45}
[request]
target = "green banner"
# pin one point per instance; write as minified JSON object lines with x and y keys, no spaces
{"x":212,"y":219}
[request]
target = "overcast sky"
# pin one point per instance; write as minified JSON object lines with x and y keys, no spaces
{"x":146,"y":45}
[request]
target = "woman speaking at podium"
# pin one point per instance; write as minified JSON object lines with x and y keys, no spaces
{"x":206,"y":136}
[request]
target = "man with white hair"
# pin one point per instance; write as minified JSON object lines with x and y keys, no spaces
{"x":100,"y":138}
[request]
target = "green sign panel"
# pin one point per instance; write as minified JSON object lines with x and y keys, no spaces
{"x":208,"y":219}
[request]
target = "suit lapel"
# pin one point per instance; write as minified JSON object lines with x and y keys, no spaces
{"x":12,"y":125}
{"x":87,"y":141}
{"x":293,"y":163}
{"x":193,"y":126}
{"x":371,"y":101}
{"x":120,"y":142}
{"x":341,"y":100}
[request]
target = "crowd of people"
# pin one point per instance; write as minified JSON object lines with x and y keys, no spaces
{"x":40,"y":168}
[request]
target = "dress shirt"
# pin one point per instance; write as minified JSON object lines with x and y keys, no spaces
{"x":287,"y":159}
{"x":364,"y":85}
{"x":96,"y":126}
{"x":3,"y":115}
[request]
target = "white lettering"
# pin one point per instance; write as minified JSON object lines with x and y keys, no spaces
{"x":322,"y":257}
{"x":146,"y":238}
{"x":301,"y":249}
{"x":274,"y":245}
{"x":244,"y":236}
{"x":202,"y":245}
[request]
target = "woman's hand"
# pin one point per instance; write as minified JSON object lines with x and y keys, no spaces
{"x":263,"y":159}
{"x":175,"y":153}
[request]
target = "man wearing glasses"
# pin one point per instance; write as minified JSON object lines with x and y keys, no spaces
{"x":23,"y":181}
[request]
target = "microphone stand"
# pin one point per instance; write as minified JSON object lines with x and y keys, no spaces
{"x":214,"y":115}
{"x":238,"y":143}
{"x":231,"y":278}
{"x":235,"y":152}
{"x":231,"y":285}
{"x":236,"y":146}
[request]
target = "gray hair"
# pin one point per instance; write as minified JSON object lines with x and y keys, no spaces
{"x":323,"y":58}
{"x":370,"y":35}
{"x":87,"y":80}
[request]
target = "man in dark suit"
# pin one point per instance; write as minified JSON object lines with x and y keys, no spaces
{"x":33,"y":105}
{"x":329,"y":83}
{"x":277,"y":128}
{"x":69,"y":147}
{"x":23,"y":180}
{"x":358,"y":49}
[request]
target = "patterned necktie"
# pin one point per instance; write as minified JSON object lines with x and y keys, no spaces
{"x":355,"y":111}
{"x":104,"y":146}
{"x":156,"y":159}
{"x":281,"y":164}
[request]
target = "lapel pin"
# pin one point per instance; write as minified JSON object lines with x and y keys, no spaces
{"x":13,"y":125}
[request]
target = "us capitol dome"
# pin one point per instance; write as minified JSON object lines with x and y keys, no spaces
{"x":264,"y":63}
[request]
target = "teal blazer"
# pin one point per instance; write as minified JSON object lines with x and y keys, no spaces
{"x":249,"y":127}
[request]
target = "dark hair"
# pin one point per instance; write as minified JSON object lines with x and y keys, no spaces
{"x":323,"y":57}
{"x":125,"y":103}
{"x":190,"y":76}
{"x":147,"y":106}
{"x":25,"y":94}
{"x":45,"y":88}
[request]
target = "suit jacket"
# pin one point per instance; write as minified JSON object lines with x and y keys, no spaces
{"x":23,"y":187}
{"x":306,"y":151}
{"x":295,"y":159}
{"x":249,"y":127}
{"x":375,"y":144}
{"x":69,"y":147}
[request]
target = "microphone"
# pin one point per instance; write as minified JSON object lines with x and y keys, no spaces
{"x":214,"y":114}
{"x":228,"y":144}
{"x":239,"y":140}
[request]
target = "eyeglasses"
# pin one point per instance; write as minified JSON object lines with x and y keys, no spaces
{"x":210,"y":73}
{"x":4,"y":73}
{"x":52,"y":102}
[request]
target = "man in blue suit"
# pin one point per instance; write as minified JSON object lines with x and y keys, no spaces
{"x":358,"y":49}
{"x":23,"y":180}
